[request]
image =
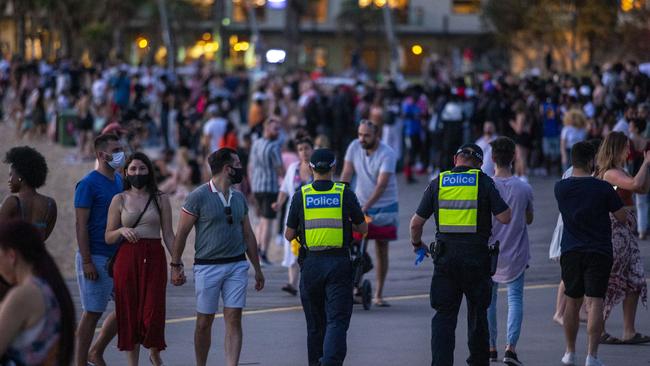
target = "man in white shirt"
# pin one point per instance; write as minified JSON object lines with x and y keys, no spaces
{"x":374,"y":164}
{"x":214,"y":129}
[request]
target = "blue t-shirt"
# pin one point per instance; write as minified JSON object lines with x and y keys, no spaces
{"x":585,"y":204}
{"x":551,"y":118}
{"x":122,"y":90}
{"x":96,"y":192}
{"x":412,"y":124}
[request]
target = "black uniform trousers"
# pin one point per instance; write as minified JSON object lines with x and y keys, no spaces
{"x":326,"y":285}
{"x":462,"y":269}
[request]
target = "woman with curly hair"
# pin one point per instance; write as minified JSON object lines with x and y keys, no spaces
{"x":28,"y":171}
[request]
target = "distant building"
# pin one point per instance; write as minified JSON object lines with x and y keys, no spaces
{"x":422,"y":27}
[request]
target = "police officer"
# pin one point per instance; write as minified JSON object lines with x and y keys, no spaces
{"x":322,"y":216}
{"x":463,"y":201}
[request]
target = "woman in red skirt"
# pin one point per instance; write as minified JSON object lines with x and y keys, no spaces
{"x":136,"y":219}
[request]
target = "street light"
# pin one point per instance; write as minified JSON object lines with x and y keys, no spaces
{"x":142,"y":42}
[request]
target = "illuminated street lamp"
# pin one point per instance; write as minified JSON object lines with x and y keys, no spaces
{"x":142,"y":42}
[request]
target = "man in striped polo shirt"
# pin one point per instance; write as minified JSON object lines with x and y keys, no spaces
{"x":265,"y":166}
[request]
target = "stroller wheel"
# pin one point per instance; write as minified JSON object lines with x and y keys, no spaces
{"x":366,"y":294}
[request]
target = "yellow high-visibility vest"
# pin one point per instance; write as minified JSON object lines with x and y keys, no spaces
{"x":458,"y":201}
{"x":323,"y":212}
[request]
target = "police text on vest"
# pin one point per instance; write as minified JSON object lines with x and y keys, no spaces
{"x":455,"y":180}
{"x":323,"y":201}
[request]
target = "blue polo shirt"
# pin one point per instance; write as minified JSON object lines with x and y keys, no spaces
{"x":95,"y":192}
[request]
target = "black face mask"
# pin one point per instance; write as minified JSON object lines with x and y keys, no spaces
{"x":138,"y":181}
{"x":237,"y":176}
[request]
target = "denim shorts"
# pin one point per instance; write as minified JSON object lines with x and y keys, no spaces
{"x":228,"y":281}
{"x":94,"y":295}
{"x":551,"y":146}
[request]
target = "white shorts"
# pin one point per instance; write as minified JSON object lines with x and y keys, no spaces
{"x":226,"y":280}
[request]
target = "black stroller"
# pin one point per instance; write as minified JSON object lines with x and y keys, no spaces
{"x":361,"y":264}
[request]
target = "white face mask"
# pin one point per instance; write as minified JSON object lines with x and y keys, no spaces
{"x":118,"y":160}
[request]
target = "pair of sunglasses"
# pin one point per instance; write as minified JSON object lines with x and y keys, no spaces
{"x":229,"y":215}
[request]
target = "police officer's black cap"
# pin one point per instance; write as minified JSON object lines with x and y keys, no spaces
{"x":472,"y":150}
{"x":322,"y":160}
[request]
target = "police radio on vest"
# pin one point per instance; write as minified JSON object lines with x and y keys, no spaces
{"x":450,"y":180}
{"x":323,"y":200}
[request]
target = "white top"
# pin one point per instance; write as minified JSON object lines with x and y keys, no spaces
{"x":290,"y":184}
{"x":622,"y":126}
{"x":573,"y":135}
{"x":367,"y":170}
{"x":216,"y":128}
{"x":484,"y":144}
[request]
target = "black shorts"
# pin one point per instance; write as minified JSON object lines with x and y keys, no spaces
{"x":264,"y":201}
{"x":585,"y":274}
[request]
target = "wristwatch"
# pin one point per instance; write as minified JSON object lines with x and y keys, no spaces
{"x":176,"y":265}
{"x":417,"y":244}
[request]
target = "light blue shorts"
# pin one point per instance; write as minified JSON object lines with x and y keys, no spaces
{"x":94,"y":295}
{"x":226,"y":280}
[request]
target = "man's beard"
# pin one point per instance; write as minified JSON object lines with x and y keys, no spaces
{"x":369,"y":145}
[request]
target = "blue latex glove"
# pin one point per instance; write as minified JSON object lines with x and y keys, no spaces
{"x":421,"y":253}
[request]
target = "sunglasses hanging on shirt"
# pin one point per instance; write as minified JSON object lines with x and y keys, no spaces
{"x":228,"y":211}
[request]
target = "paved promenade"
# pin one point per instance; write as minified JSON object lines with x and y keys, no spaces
{"x":274,"y":326}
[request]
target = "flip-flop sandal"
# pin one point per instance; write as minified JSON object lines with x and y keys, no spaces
{"x":637,"y":339}
{"x":290,"y":289}
{"x":381,"y":304}
{"x":607,"y":338}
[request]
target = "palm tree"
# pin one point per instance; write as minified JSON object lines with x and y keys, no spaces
{"x":294,"y":11}
{"x":167,"y":34}
{"x":351,"y":15}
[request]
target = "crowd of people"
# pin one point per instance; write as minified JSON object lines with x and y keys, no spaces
{"x":259,"y":134}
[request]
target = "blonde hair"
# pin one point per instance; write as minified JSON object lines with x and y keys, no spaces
{"x":575,"y":117}
{"x":609,"y":153}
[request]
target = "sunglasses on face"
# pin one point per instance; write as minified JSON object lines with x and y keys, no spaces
{"x":229,"y":215}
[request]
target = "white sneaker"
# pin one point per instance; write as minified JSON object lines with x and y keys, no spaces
{"x":593,"y":361}
{"x":569,"y":359}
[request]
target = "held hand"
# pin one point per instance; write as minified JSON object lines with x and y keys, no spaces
{"x":275,"y":206}
{"x":178,"y":276}
{"x":90,"y":272}
{"x":129,"y":234}
{"x":364,"y":209}
{"x":259,"y":280}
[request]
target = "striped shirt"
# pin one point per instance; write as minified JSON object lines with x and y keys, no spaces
{"x":265,"y":159}
{"x":215,"y":237}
